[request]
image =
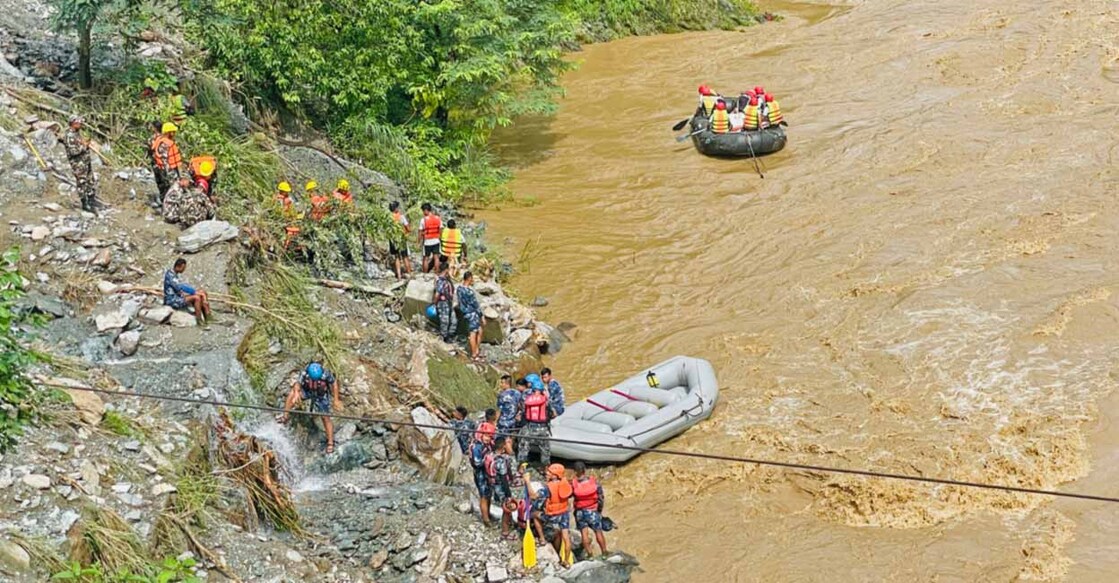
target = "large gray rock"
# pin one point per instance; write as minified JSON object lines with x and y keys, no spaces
{"x":13,"y":557}
{"x":496,"y":574}
{"x":433,"y":451}
{"x":110,"y":316}
{"x":157,"y":314}
{"x":128,"y":342}
{"x":89,"y":405}
{"x":205,"y":233}
{"x":37,"y":481}
{"x":183,"y":319}
{"x":615,"y":568}
{"x":417,"y":296}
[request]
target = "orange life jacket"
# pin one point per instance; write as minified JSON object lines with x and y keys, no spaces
{"x":432,"y":225}
{"x":398,"y":218}
{"x":559,"y":492}
{"x":284,"y":199}
{"x":751,"y":118}
{"x":536,"y":407}
{"x":174,"y":158}
{"x":318,"y":206}
{"x":343,"y":196}
{"x":720,"y":121}
{"x":586,"y":493}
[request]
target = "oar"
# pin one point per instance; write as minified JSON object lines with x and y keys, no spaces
{"x":754,"y":156}
{"x":680,"y":125}
{"x":686,"y":136}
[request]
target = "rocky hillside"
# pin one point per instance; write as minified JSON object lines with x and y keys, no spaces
{"x":117,"y":484}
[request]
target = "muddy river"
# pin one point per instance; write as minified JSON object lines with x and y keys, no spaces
{"x":924,"y":282}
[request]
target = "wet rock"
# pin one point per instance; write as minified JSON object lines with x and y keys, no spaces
{"x":345,"y":433}
{"x":36,"y":302}
{"x":37,"y":481}
{"x":182,"y":319}
{"x":615,"y":568}
{"x":158,"y":314}
{"x":496,"y":574}
{"x":346,"y":457}
{"x":204,"y":234}
{"x":550,"y":340}
{"x":128,"y":342}
{"x":13,"y":557}
{"x":539,"y":302}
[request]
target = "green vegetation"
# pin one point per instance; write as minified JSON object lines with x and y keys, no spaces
{"x":17,"y":396}
{"x":601,"y":20}
{"x":118,"y":424}
{"x":453,"y":383}
{"x":171,"y":570}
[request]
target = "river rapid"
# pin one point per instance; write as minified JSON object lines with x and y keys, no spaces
{"x":922,"y":283}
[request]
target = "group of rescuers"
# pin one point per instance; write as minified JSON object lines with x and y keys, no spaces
{"x":498,"y":449}
{"x":752,"y":110}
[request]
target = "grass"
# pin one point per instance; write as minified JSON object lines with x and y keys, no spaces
{"x":118,"y":424}
{"x":453,"y":383}
{"x":106,"y":539}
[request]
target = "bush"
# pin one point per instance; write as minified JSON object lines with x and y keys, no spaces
{"x":17,"y":396}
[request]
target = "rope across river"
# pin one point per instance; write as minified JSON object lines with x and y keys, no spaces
{"x":660,"y":451}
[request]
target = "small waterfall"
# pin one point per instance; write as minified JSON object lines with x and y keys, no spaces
{"x":292,"y":470}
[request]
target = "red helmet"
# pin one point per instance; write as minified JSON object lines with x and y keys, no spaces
{"x":759,"y":90}
{"x":749,"y":92}
{"x":704,"y":90}
{"x":754,"y":100}
{"x":720,"y":106}
{"x":768,"y":97}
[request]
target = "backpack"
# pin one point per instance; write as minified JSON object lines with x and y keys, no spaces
{"x":536,"y":407}
{"x":489,"y":463}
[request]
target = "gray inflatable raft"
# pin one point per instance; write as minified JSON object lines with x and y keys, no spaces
{"x":737,"y":144}
{"x":632,"y":413}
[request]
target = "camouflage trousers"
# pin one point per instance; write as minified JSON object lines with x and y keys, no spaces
{"x":535,"y":434}
{"x":447,"y":320}
{"x":162,"y":183}
{"x":83,"y":181}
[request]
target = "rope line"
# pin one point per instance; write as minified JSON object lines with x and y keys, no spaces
{"x":669,"y":452}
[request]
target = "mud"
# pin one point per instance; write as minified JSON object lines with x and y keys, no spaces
{"x":923,"y":283}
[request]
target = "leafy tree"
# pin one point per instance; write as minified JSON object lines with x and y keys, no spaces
{"x":15,"y":388}
{"x":81,"y":16}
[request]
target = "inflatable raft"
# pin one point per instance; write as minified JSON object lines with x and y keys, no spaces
{"x":636,"y":413}
{"x":736,"y":144}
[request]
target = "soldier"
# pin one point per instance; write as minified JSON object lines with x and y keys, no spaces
{"x":81,"y":164}
{"x":186,"y":204}
{"x":168,"y":160}
{"x":160,"y":177}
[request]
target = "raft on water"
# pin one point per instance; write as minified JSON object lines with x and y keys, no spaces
{"x":635,"y":413}
{"x":736,"y":144}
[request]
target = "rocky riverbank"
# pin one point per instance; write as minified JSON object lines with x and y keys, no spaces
{"x":123,"y":482}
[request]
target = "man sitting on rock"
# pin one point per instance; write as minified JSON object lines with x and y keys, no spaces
{"x":320,"y":387}
{"x":179,"y":295}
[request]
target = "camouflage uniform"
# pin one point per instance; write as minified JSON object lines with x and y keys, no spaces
{"x":537,"y":434}
{"x":186,"y":206}
{"x":445,"y":309}
{"x":81,"y":164}
{"x":166,"y":175}
{"x":160,"y":175}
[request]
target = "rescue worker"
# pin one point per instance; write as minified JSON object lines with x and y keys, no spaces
{"x":537,"y":419}
{"x":472,"y":313}
{"x":186,"y":204}
{"x":203,"y":170}
{"x":320,"y":387}
{"x":431,"y":227}
{"x":81,"y":163}
{"x":319,"y":202}
{"x":589,"y":502}
{"x":508,"y":485}
{"x":720,"y":120}
{"x":283,"y":195}
{"x":707,"y":101}
{"x":290,"y":213}
{"x":774,"y":113}
{"x":180,"y":107}
{"x":444,"y":299}
{"x":744,"y":99}
{"x":168,"y":160}
{"x":509,"y":402}
{"x":555,"y":391}
{"x":160,"y":178}
{"x":342,"y":195}
{"x":464,"y":428}
{"x":751,"y":122}
{"x":481,"y":454}
{"x":557,"y":494}
{"x":398,"y":242}
{"x":452,"y":247}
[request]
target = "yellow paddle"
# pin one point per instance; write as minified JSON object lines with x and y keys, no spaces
{"x":528,"y":545}
{"x":565,"y":553}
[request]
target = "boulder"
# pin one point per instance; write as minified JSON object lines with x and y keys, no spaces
{"x":37,"y":481}
{"x":158,"y":314}
{"x":39,"y":233}
{"x":417,"y":296}
{"x":205,"y":233}
{"x":89,"y":405}
{"x":519,"y":339}
{"x":182,"y":319}
{"x":493,"y":331}
{"x":615,"y":568}
{"x":496,"y":574}
{"x":418,"y":375}
{"x":13,"y":557}
{"x":36,"y":302}
{"x":128,"y":342}
{"x":106,"y":287}
{"x":103,"y":258}
{"x":550,"y":339}
{"x":433,"y":451}
{"x":109,"y":317}
{"x":520,"y":316}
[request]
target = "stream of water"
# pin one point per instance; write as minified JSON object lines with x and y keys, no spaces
{"x":922,"y":283}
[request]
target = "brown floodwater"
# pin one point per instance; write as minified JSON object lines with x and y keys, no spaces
{"x":922,"y":283}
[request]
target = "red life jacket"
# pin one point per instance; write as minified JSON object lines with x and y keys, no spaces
{"x":586,"y":493}
{"x":432,"y":226}
{"x":489,"y":463}
{"x":536,"y":407}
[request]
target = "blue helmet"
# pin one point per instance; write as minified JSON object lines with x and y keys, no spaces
{"x":535,"y":381}
{"x":431,"y":312}
{"x":315,"y":371}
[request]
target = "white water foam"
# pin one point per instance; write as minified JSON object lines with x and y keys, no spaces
{"x":292,"y":471}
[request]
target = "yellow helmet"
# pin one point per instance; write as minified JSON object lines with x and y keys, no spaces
{"x":343,"y":184}
{"x":311,"y":185}
{"x":206,"y":168}
{"x":284,"y":186}
{"x":169,"y":127}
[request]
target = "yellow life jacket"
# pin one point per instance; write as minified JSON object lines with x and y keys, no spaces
{"x":775,"y":116}
{"x":451,"y":242}
{"x":708,"y":102}
{"x":751,"y":118}
{"x":720,"y":121}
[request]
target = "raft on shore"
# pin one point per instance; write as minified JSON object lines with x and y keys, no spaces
{"x":634,"y":413}
{"x":736,"y":144}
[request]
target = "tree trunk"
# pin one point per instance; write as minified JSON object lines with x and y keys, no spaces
{"x":85,"y":77}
